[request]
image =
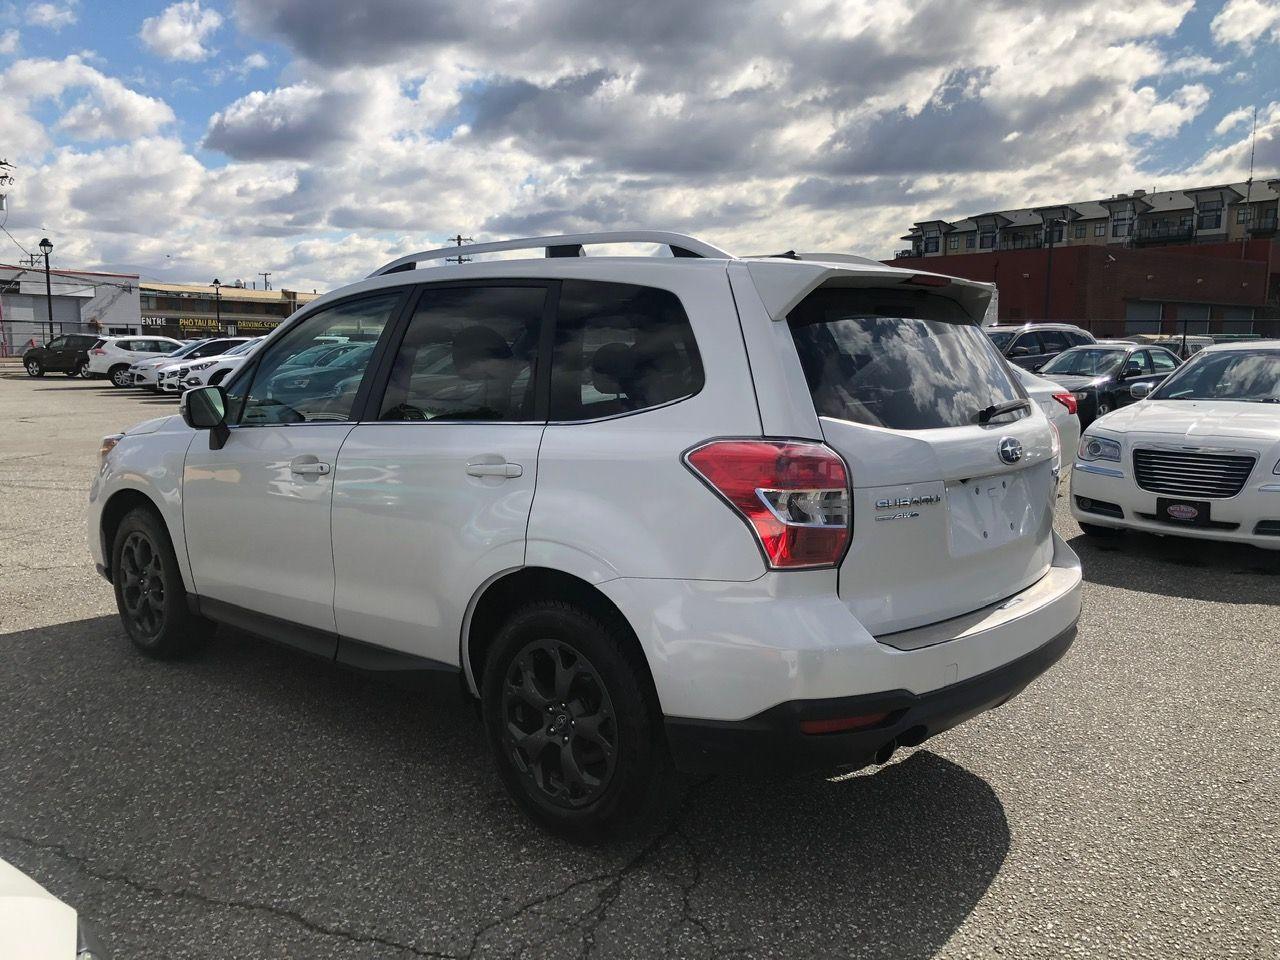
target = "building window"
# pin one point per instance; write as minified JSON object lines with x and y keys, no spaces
{"x":969,"y":241}
{"x":953,"y":243}
{"x":1099,"y":229}
{"x":930,"y":244}
{"x":988,"y":241}
{"x":1244,"y":215}
{"x":1080,"y":231}
{"x":1120,"y":228}
{"x":1210,"y":215}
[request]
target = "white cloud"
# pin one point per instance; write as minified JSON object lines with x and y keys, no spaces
{"x":1247,"y":23}
{"x":9,"y":41}
{"x":54,"y":16}
{"x":180,"y":31}
{"x":1233,"y":120}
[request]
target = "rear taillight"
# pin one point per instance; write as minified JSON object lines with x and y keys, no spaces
{"x":794,"y":496}
{"x":98,"y":353}
{"x":1068,"y":400}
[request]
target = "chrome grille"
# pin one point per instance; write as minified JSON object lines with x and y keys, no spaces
{"x":1203,"y":476}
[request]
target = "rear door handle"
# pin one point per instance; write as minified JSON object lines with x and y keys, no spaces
{"x":508,"y":470}
{"x":308,"y":467}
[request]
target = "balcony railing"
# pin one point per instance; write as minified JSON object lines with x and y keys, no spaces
{"x":899,"y":254}
{"x":1020,"y":243}
{"x":1265,"y":225}
{"x":1155,"y":235}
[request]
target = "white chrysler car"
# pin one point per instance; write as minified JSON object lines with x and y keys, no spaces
{"x":1199,"y":457}
{"x":771,"y":514}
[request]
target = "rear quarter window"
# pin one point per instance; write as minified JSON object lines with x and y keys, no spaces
{"x":904,"y":360}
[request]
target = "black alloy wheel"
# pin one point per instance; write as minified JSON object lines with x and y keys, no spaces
{"x":559,"y":723}
{"x":573,"y":721}
{"x":141,"y":586}
{"x":34,"y":368}
{"x":150,"y":594}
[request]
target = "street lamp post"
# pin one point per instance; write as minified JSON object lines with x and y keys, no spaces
{"x":217,"y":303}
{"x":47,"y":248}
{"x":1049,"y":226}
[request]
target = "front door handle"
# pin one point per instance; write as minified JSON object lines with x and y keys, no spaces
{"x":508,"y":470}
{"x":308,"y":467}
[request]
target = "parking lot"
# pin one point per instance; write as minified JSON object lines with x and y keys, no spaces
{"x":254,"y":803}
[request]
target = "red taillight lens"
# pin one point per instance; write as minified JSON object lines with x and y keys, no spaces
{"x":841,"y":724}
{"x":1068,"y":400}
{"x":794,"y":495}
{"x":98,"y":353}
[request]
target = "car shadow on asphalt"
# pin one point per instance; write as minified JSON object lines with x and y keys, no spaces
{"x":1181,"y":567}
{"x":249,"y":769}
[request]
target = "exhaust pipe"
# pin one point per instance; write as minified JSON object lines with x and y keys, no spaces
{"x":887,"y":751}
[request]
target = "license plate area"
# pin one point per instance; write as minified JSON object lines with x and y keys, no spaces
{"x":1187,"y":513}
{"x":988,"y":512}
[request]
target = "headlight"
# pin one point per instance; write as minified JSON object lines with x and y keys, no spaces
{"x":1276,"y":471}
{"x":1099,"y":448}
{"x":108,"y":444}
{"x":202,"y":366}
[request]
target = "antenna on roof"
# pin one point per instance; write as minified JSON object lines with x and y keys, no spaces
{"x":459,"y":240}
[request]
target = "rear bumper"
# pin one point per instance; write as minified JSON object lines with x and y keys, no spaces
{"x":771,"y":742}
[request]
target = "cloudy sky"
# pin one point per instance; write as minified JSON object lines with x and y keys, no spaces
{"x":318,"y":138}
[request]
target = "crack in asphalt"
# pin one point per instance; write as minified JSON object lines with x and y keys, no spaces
{"x":152,"y":890}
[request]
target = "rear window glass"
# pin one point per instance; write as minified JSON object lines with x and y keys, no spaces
{"x":905,"y":360}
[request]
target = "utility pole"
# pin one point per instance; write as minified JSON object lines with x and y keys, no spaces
{"x":1050,"y":226}
{"x":266,"y":282}
{"x":459,"y":240}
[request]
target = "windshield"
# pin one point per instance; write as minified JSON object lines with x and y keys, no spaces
{"x":1001,"y":338}
{"x":1252,"y":376}
{"x":183,"y":350}
{"x":1085,"y":362}
{"x":898,"y":359}
{"x":241,"y":348}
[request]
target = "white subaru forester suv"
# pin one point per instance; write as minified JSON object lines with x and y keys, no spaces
{"x":698,"y":512}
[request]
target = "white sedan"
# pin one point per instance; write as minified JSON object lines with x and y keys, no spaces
{"x":1059,"y":405}
{"x":1199,"y":457}
{"x":36,"y":925}
{"x":213,"y":371}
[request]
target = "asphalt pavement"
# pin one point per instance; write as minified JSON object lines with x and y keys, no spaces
{"x":253,"y":803}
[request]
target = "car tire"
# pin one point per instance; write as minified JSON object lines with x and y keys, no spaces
{"x":551,"y":667}
{"x":78,"y":370}
{"x":1104,"y":407}
{"x":84,"y":371}
{"x":150,"y":594}
{"x":34,"y":368}
{"x":1100,"y":532}
{"x":118,"y":375}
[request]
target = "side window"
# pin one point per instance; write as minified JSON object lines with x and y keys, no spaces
{"x":126,"y":345}
{"x":620,"y":348}
{"x":1163,"y":362}
{"x":57,"y":343}
{"x":468,"y":354}
{"x":281,"y":394}
{"x":1054,"y":341}
{"x":1079,"y":339}
{"x":1143,"y":359}
{"x":1027,"y":345}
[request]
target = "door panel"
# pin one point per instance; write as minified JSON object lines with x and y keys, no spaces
{"x":257,"y":527}
{"x":423,"y":514}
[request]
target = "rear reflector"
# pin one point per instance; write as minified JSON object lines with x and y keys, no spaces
{"x":842,"y":724}
{"x":794,"y":496}
{"x":1068,"y":400}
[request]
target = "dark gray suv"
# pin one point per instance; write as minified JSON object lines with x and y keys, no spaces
{"x":1032,"y":345}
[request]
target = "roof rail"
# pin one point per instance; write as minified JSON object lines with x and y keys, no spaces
{"x":566,"y":245}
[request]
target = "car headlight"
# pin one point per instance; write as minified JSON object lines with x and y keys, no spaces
{"x":1099,"y":448}
{"x":202,"y":366}
{"x":1276,"y":471}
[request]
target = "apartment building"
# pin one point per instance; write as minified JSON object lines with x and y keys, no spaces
{"x":1219,"y":213}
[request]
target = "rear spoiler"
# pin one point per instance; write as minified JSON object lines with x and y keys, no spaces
{"x":782,"y":282}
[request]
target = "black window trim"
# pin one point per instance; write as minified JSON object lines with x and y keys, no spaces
{"x":360,"y":404}
{"x":399,"y":329}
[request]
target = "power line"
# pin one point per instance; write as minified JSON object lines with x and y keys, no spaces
{"x":459,"y":240}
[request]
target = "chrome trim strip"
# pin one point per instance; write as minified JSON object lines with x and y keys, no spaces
{"x":1100,"y":471}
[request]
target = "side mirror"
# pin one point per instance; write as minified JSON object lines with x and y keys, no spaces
{"x":205,"y":408}
{"x":1140,"y":391}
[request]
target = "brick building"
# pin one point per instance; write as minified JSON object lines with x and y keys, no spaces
{"x":1205,"y":258}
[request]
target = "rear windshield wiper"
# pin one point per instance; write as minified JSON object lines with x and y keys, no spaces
{"x":999,"y":409}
